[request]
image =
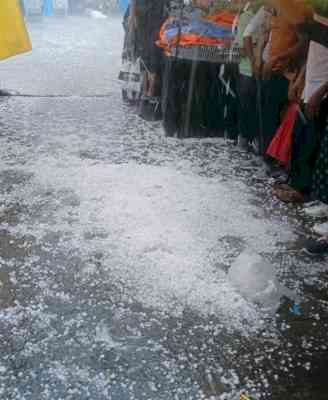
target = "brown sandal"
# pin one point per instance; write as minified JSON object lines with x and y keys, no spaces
{"x":289,"y":195}
{"x":282,"y":186}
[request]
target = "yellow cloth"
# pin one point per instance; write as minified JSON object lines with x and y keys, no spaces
{"x":295,"y":11}
{"x":14,"y":38}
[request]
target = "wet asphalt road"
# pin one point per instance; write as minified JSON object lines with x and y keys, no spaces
{"x":115,"y":242}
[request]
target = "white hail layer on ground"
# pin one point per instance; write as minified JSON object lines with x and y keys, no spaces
{"x":158,"y":229}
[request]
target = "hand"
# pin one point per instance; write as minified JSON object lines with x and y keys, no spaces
{"x":296,"y":89}
{"x":242,"y":52}
{"x":280,"y":63}
{"x":313,"y":105}
{"x":280,"y":59}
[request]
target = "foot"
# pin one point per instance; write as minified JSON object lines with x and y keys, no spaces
{"x":287,"y":194}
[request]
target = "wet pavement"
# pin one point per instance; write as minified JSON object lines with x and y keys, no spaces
{"x":116,"y":245}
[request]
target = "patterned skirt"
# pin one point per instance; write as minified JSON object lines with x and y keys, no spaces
{"x":320,"y":178}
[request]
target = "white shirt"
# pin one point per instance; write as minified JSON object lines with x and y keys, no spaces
{"x":258,"y":25}
{"x":266,"y":51}
{"x":317,"y":65}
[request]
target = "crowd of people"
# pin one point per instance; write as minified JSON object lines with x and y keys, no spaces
{"x":280,"y":86}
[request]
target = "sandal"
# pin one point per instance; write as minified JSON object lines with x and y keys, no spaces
{"x":282,"y":186}
{"x":289,"y":196}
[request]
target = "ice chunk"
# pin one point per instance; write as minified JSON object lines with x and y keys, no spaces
{"x":255,"y":279}
{"x":251,"y":273}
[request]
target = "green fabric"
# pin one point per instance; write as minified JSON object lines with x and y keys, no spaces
{"x":245,"y":67}
{"x":320,"y":179}
{"x":245,"y":18}
{"x":319,"y":6}
{"x":306,"y":143}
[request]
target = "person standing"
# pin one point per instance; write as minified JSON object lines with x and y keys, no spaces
{"x":253,"y":28}
{"x":146,"y":18}
{"x":283,"y":56}
{"x":309,"y":130}
{"x":316,"y":99}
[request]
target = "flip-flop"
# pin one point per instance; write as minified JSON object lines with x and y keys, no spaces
{"x":282,"y":186}
{"x":289,"y":196}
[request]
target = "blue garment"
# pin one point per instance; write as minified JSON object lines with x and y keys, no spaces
{"x":48,"y":8}
{"x":198,"y":27}
{"x":124,"y":4}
